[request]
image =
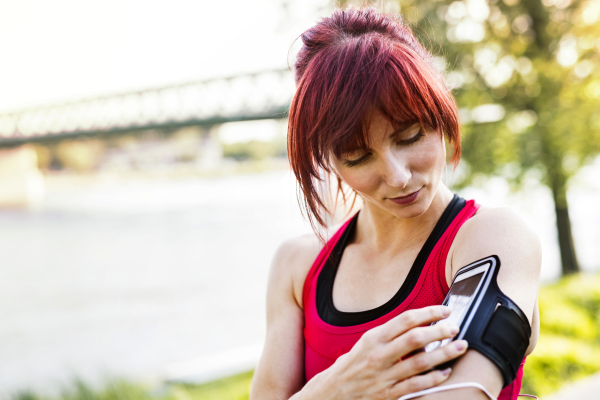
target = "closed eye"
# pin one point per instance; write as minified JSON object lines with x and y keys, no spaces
{"x":352,"y":163}
{"x":412,"y":140}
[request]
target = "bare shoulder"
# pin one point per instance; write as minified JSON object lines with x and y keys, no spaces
{"x":293,"y":260}
{"x":501,"y":232}
{"x":291,"y":263}
{"x":494,"y":219}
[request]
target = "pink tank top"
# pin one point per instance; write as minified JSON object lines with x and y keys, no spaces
{"x":324,"y":343}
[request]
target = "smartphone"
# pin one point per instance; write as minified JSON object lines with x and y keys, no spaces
{"x":464,"y":297}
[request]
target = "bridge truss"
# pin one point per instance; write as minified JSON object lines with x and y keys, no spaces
{"x":264,"y":95}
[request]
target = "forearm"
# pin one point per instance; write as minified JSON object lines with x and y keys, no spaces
{"x":472,"y":367}
{"x":267,"y":385}
{"x":270,"y":392}
{"x":315,"y":389}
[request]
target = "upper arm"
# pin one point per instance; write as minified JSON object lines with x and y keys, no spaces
{"x":280,"y":372}
{"x":501,"y":232}
{"x":495,"y":232}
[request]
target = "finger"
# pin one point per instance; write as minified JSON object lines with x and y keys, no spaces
{"x":419,"y":382}
{"x":411,"y":319}
{"x":416,"y":339}
{"x":426,"y":361}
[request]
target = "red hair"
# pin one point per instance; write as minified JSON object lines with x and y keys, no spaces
{"x":351,"y":63}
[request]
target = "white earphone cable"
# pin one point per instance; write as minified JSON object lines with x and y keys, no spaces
{"x":447,"y":387}
{"x":454,"y":386}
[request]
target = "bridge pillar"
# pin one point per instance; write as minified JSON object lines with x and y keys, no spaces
{"x":211,"y":150}
{"x":21,"y":182}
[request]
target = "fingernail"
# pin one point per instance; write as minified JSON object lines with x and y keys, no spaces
{"x":460,"y":345}
{"x":446,"y":311}
{"x":446,"y":371}
{"x":453,"y":330}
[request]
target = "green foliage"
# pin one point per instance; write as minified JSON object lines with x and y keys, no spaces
{"x":79,"y":390}
{"x":569,"y":344}
{"x":232,"y":388}
{"x":80,"y":155}
{"x":115,"y":390}
{"x":558,"y":360}
{"x":255,"y":150}
{"x":26,"y":395}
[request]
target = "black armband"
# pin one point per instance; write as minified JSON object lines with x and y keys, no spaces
{"x":488,"y":320}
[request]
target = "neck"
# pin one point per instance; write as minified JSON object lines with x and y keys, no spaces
{"x":384,"y":232}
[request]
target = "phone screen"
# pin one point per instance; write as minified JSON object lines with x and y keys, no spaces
{"x":459,"y":299}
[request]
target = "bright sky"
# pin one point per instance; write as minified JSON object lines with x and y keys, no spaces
{"x":64,"y":49}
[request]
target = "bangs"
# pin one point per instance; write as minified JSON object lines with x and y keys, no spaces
{"x":359,"y":139}
{"x":405,"y":91}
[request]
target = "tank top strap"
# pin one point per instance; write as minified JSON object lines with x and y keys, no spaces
{"x":320,"y":260}
{"x":441,"y":251}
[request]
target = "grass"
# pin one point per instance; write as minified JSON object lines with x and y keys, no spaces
{"x":569,"y":345}
{"x":232,"y":388}
{"x":568,"y":349}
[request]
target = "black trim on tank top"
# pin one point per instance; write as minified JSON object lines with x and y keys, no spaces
{"x":325,"y":308}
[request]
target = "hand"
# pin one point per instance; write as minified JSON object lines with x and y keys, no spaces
{"x":376,"y":367}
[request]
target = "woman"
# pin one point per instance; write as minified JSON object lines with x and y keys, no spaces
{"x":346,"y":318}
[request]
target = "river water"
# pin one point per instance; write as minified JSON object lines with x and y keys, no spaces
{"x":115,"y":278}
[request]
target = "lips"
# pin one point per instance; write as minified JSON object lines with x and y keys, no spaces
{"x":406,"y":199}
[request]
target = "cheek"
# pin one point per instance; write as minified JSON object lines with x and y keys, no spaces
{"x":431,"y":157}
{"x":363,"y":180}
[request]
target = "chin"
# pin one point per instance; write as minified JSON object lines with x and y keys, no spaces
{"x":409,"y":211}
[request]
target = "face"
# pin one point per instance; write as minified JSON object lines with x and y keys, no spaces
{"x":400,"y":172}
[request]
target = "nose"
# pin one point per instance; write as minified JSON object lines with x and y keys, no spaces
{"x":396,"y":171}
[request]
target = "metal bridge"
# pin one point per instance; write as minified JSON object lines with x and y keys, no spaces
{"x":264,"y":95}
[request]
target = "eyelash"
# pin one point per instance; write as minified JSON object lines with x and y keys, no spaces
{"x":407,"y":142}
{"x":413,"y":139}
{"x":352,"y":163}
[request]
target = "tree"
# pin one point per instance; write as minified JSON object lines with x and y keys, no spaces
{"x":526,"y":75}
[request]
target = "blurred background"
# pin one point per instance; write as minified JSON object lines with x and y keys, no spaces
{"x":144,"y":184}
